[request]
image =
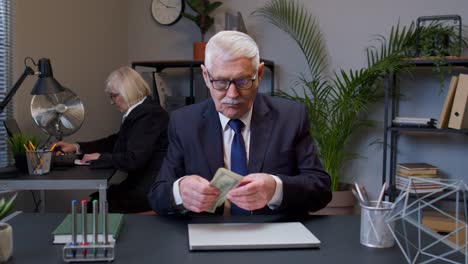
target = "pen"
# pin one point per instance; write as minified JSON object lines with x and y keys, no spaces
{"x":379,"y":201}
{"x":361,"y":197}
{"x":84,"y":225}
{"x":95,"y":225}
{"x":73,"y":219}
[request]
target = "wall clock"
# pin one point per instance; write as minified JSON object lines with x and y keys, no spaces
{"x":167,"y":12}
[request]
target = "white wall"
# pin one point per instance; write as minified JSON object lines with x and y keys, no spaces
{"x":348,"y":27}
{"x":85,"y":40}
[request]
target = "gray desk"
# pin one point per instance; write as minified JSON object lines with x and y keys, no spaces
{"x":162,"y":239}
{"x":69,"y":178}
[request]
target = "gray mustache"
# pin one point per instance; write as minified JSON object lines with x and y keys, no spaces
{"x":227,"y":100}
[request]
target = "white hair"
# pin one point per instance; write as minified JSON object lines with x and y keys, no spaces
{"x":128,"y":83}
{"x":231,"y":45}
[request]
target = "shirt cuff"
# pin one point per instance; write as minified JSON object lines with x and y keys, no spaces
{"x":277,"y":198}
{"x":176,"y":192}
{"x":77,"y":147}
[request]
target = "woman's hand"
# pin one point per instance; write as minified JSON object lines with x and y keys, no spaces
{"x":89,"y":157}
{"x":64,"y":147}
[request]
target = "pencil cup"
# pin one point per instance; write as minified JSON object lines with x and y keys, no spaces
{"x":6,"y":242}
{"x":375,"y":232}
{"x":39,"y":161}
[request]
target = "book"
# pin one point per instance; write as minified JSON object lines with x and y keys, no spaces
{"x":447,"y":108}
{"x":62,"y":234}
{"x":459,"y":115}
{"x":416,"y":166}
{"x":418,"y":190}
{"x":421,"y":173}
{"x":413,"y":122}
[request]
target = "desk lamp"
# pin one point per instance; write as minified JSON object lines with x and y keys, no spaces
{"x":46,"y":84}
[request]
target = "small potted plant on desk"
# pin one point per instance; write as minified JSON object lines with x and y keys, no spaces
{"x":17,"y":143}
{"x":202,"y":8}
{"x":6,"y":232}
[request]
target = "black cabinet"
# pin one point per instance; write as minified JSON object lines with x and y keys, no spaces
{"x":391,"y":133}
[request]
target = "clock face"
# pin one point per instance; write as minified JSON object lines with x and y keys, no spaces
{"x":167,"y":12}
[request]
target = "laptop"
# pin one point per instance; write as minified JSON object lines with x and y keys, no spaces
{"x":11,"y":127}
{"x":230,"y":236}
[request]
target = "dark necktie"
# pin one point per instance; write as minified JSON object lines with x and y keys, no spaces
{"x":238,"y":158}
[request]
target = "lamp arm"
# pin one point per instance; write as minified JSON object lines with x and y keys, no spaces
{"x":11,"y":93}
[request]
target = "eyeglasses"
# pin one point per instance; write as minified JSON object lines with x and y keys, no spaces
{"x":113,"y":96}
{"x":241,"y":84}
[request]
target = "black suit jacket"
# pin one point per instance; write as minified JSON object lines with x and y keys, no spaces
{"x":138,"y":149}
{"x":280,"y":144}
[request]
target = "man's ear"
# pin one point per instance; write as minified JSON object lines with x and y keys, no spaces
{"x":205,"y":76}
{"x":260,"y":72}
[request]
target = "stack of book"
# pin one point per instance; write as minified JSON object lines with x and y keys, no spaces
{"x":413,"y":122}
{"x":417,"y":178}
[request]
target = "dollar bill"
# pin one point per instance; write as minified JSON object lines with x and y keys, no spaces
{"x":224,"y":180}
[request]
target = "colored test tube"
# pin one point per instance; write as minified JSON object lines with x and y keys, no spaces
{"x":95,"y":221}
{"x":105,"y":223}
{"x":84,"y":223}
{"x":73,"y":215}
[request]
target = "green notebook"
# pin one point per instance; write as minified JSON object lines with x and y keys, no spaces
{"x":62,"y":234}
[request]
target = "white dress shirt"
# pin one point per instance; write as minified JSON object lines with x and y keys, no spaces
{"x":228,"y":136}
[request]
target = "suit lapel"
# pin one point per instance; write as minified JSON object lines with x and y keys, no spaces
{"x":260,"y":132}
{"x":212,"y":139}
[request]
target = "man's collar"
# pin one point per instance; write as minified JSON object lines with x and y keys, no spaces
{"x":246,"y":118}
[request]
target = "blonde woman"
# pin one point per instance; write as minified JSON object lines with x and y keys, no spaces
{"x":138,"y":148}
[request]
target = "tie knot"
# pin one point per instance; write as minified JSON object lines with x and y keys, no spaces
{"x":236,"y":125}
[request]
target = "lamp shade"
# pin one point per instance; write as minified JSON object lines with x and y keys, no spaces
{"x":46,"y":84}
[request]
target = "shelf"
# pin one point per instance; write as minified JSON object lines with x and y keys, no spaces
{"x":452,"y":60}
{"x":429,"y":130}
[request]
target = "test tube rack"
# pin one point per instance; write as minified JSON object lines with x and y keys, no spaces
{"x":89,"y":253}
{"x":84,"y":251}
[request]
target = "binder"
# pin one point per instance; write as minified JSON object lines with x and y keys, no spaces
{"x":459,"y":116}
{"x":447,"y":108}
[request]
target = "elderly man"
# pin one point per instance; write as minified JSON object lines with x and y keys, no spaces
{"x":265,"y":139}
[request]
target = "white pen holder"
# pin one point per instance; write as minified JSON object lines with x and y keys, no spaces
{"x":6,"y":242}
{"x":374,"y":230}
{"x":89,"y":253}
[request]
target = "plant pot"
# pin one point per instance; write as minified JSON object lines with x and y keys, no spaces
{"x":6,"y":242}
{"x":21,"y":163}
{"x":342,"y":203}
{"x":199,"y":51}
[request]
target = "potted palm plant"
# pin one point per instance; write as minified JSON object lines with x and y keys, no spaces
{"x":203,"y":20}
{"x":335,"y":104}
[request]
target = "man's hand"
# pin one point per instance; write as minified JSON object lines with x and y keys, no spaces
{"x":254,"y":191}
{"x":89,"y":157}
{"x":64,"y":147}
{"x":197,"y":194}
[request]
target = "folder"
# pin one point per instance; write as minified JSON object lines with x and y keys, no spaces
{"x":459,"y":116}
{"x":447,"y":108}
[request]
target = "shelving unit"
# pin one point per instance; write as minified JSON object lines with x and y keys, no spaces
{"x":391,"y":111}
{"x":192,"y":65}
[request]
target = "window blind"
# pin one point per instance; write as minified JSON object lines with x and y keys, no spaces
{"x":6,"y":73}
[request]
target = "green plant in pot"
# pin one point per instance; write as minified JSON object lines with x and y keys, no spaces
{"x":6,"y":231}
{"x":17,"y":143}
{"x":336,"y":105}
{"x":202,"y":18}
{"x":6,"y":205}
